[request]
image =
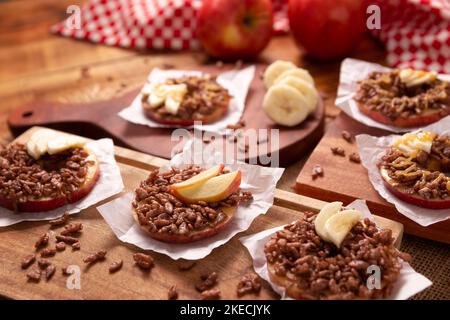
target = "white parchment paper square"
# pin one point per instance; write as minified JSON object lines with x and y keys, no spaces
{"x":237,"y":82}
{"x":261,"y":181}
{"x":372,"y":149}
{"x":109,"y":183}
{"x":408,"y":283}
{"x":353,"y":70}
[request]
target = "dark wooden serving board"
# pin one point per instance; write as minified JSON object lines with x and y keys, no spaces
{"x":347,"y":181}
{"x":100,"y":119}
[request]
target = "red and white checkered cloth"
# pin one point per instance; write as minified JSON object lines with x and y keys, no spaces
{"x":153,"y":24}
{"x":416,"y":33}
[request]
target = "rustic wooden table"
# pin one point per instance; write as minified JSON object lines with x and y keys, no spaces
{"x":35,"y":64}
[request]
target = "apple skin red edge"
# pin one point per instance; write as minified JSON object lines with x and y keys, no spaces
{"x":411,"y":198}
{"x":194,"y":236}
{"x":410,"y":122}
{"x":52,"y":203}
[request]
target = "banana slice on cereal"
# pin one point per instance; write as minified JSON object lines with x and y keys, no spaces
{"x":339,"y":225}
{"x":47,"y":141}
{"x":327,"y":212}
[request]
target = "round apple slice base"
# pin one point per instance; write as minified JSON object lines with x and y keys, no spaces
{"x":427,"y":117}
{"x":193,"y":235}
{"x":47,"y":203}
{"x":401,"y":193}
{"x":217,"y":114}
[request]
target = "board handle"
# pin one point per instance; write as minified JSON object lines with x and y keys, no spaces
{"x":41,"y":114}
{"x":66,"y":116}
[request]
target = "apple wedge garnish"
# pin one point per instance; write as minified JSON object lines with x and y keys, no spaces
{"x":213,"y":190}
{"x":200,"y":178}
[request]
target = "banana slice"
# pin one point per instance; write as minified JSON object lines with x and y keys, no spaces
{"x":285,"y":105}
{"x":327,"y":211}
{"x":51,"y":142}
{"x":63,"y":142}
{"x":171,"y":95}
{"x":339,"y":225}
{"x":32,"y":149}
{"x":37,"y":143}
{"x":298,"y":73}
{"x":276,"y":69}
{"x":305,"y":88}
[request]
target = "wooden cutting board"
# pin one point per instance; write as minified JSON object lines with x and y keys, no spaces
{"x":100,"y":119}
{"x":231,"y":261}
{"x":346,"y":181}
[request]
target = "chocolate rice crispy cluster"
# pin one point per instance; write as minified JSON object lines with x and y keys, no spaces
{"x":23,"y":178}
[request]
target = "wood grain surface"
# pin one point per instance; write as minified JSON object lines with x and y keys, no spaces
{"x":347,"y":181}
{"x":230,"y":261}
{"x":101,"y":119}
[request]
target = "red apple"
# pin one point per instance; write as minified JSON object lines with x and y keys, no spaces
{"x":414,"y":199}
{"x":327,"y":29}
{"x":47,"y":204}
{"x":427,"y":117}
{"x":234,"y":29}
{"x":193,"y":235}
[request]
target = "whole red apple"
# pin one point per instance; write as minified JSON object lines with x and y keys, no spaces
{"x":234,"y":29}
{"x":327,"y":29}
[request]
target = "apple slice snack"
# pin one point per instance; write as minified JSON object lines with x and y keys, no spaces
{"x":372,"y":148}
{"x":182,"y":101}
{"x":414,"y":169}
{"x":190,"y":204}
{"x":102,"y":179}
{"x":55,"y":169}
{"x":299,"y":264}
